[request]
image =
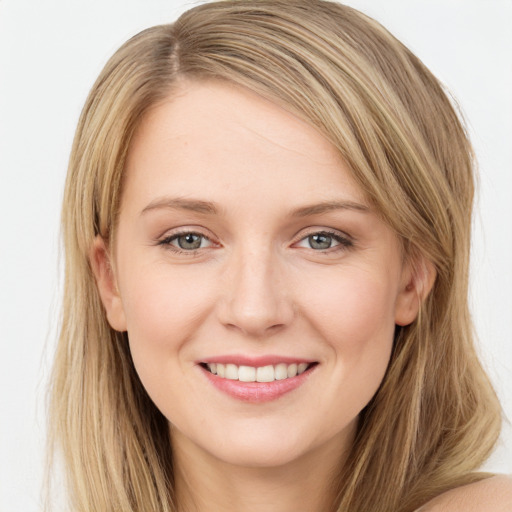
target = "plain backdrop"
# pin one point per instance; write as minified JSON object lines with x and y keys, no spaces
{"x":51,"y":52}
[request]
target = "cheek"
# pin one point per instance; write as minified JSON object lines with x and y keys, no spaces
{"x":163,"y":303}
{"x":355,"y":318}
{"x":164,"y":310}
{"x":355,"y":310}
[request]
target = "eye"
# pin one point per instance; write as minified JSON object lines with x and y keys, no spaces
{"x":320,"y":241}
{"x":324,"y":240}
{"x":187,"y":241}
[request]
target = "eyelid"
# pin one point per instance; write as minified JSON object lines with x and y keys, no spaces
{"x":170,"y":235}
{"x":184,"y":230}
{"x":344,"y":240}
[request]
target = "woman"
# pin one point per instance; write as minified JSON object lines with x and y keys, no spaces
{"x":266,"y":222}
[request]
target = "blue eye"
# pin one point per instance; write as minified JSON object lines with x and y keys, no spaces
{"x":320,"y":241}
{"x":186,"y":241}
{"x":323,"y":241}
{"x":189,"y":241}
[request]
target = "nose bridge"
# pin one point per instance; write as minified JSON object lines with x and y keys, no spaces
{"x":256,"y":301}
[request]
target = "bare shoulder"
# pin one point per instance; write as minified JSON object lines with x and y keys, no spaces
{"x":493,"y":494}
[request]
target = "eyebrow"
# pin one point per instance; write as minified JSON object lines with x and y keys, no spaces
{"x":327,"y":206}
{"x":207,"y":207}
{"x":179,"y":203}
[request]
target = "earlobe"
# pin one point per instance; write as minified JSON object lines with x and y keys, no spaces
{"x":418,"y":279}
{"x":99,"y":258}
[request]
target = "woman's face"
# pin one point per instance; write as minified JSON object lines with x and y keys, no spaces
{"x":244,"y":243}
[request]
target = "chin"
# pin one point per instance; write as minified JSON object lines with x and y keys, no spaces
{"x":260,"y":455}
{"x":269,"y":446}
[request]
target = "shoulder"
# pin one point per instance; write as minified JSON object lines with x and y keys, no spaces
{"x":492,"y":494}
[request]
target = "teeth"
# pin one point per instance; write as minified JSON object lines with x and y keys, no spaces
{"x":247,"y":374}
{"x":268,"y":373}
{"x":292,"y":370}
{"x":265,"y":374}
{"x":281,"y":371}
{"x":232,"y":372}
{"x":301,"y":368}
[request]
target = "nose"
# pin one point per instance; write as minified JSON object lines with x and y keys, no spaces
{"x":255,"y":298}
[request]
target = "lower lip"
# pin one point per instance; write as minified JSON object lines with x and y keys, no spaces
{"x":257,"y":392}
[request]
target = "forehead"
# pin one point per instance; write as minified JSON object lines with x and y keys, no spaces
{"x":217,"y":138}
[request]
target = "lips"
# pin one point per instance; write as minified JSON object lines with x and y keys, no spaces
{"x":257,"y":379}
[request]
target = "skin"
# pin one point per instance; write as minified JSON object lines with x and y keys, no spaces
{"x":490,"y":495}
{"x":256,"y":286}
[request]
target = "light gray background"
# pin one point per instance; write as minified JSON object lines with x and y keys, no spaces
{"x":50,"y":53}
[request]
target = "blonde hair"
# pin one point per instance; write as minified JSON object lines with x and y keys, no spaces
{"x":435,"y":418}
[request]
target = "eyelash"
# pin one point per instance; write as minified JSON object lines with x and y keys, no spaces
{"x":344,"y":242}
{"x":166,"y":243}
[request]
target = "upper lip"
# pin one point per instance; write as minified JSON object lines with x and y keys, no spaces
{"x":255,"y":361}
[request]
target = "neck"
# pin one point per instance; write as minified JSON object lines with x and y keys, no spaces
{"x":204,"y":483}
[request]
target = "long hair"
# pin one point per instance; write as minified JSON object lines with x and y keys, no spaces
{"x":435,"y":417}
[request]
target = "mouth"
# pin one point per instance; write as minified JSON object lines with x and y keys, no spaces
{"x":267,"y":373}
{"x":257,"y":379}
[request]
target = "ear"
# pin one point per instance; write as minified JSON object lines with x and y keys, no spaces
{"x":418,"y":277}
{"x":99,"y":258}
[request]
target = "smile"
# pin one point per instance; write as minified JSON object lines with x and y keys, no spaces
{"x":268,"y":373}
{"x":262,"y":382}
